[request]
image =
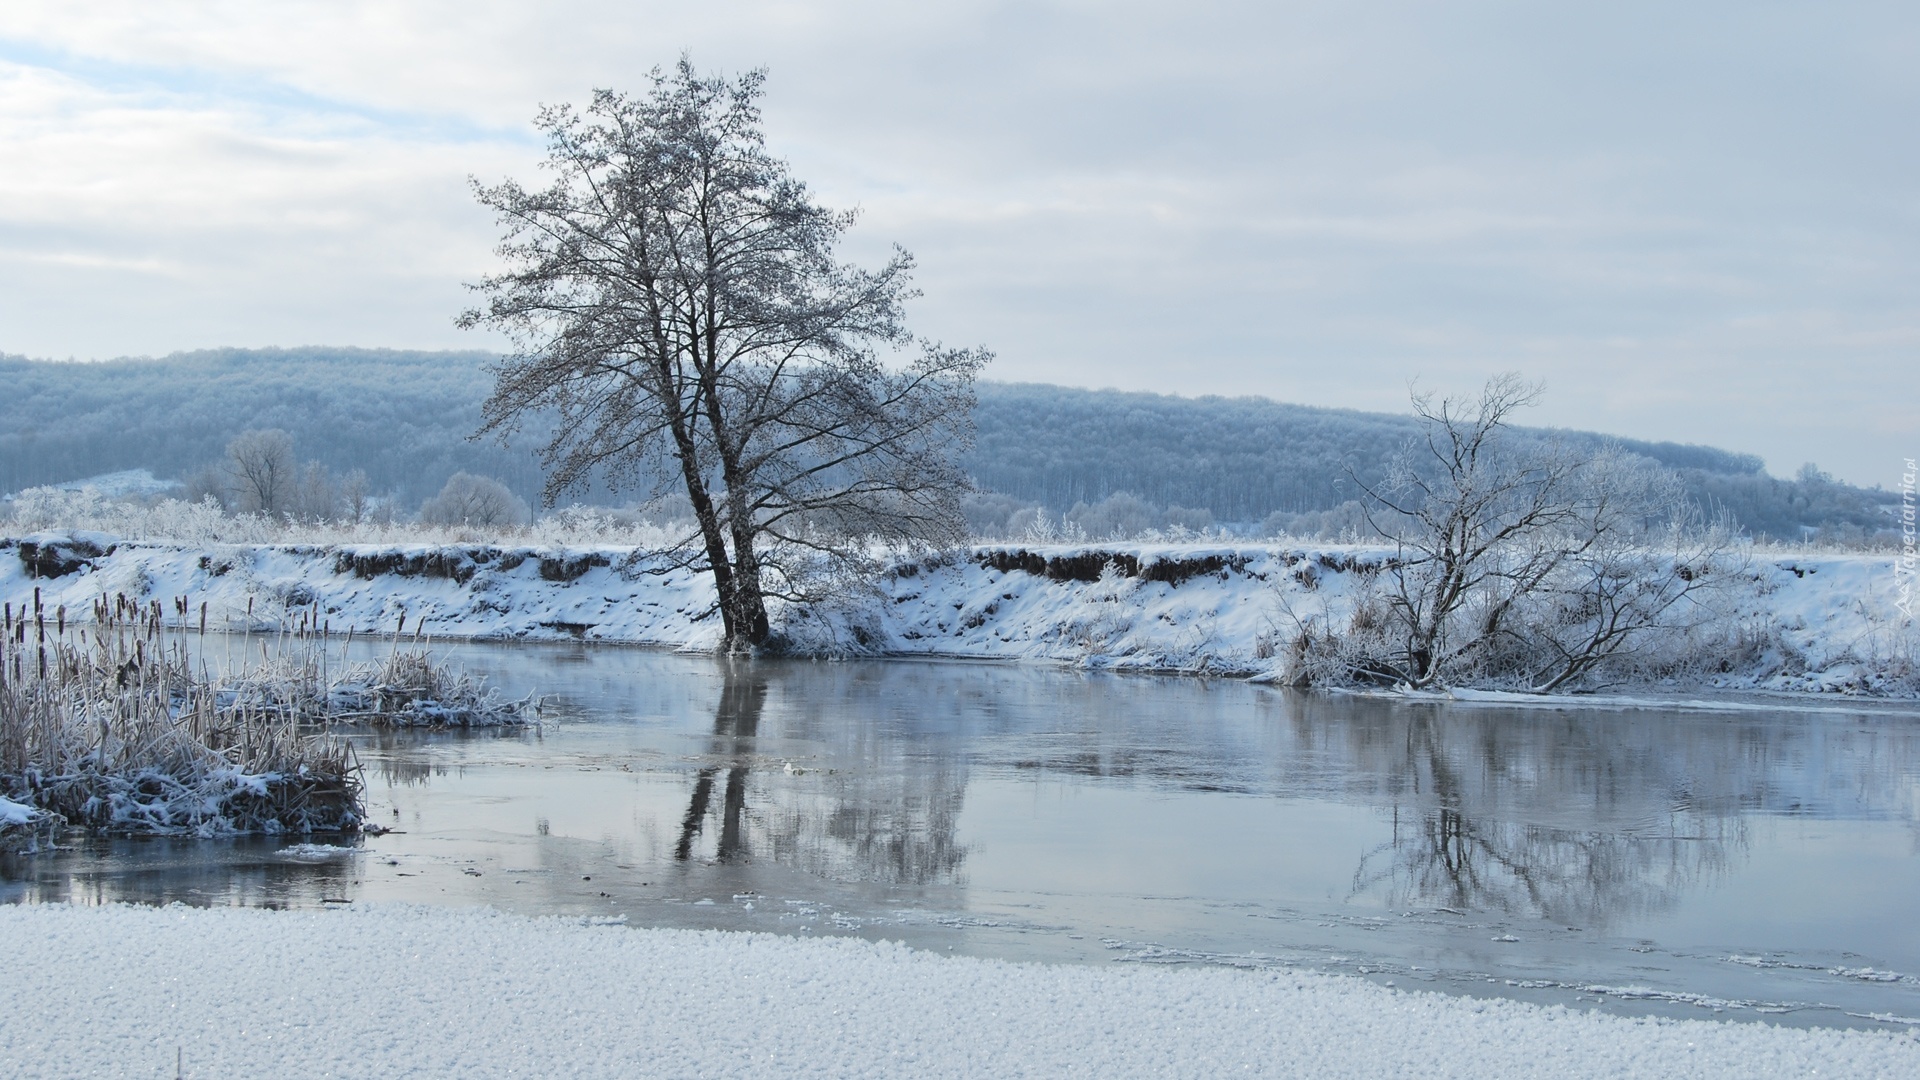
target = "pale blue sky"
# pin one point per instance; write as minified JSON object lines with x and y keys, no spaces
{"x":1692,"y":222}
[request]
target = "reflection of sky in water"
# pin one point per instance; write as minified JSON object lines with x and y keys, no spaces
{"x":1761,"y":859}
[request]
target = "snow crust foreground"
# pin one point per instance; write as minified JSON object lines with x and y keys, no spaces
{"x":403,"y":991}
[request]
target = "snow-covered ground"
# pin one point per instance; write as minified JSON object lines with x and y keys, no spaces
{"x":138,"y":483}
{"x":1824,"y":622}
{"x":25,"y":828}
{"x":405,"y":992}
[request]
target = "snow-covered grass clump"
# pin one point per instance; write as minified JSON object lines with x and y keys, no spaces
{"x":410,"y":688}
{"x":123,"y":991}
{"x":24,"y":827}
{"x":109,"y":720}
{"x":113,"y":726}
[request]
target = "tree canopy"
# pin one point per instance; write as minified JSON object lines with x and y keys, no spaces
{"x":679,"y":310}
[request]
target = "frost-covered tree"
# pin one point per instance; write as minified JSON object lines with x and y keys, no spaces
{"x":677,"y":303}
{"x":261,"y":471}
{"x":211,"y":481}
{"x":316,"y":495}
{"x":1528,"y":565}
{"x":475,"y":501}
{"x":355,"y":497}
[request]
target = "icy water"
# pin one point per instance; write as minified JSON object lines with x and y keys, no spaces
{"x":1759,"y":864}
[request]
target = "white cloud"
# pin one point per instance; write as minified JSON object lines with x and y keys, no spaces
{"x":1695,"y":222}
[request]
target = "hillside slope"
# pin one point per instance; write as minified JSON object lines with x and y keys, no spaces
{"x":406,"y":418}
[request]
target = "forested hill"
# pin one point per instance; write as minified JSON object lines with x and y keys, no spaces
{"x":1241,"y":458}
{"x":405,"y":418}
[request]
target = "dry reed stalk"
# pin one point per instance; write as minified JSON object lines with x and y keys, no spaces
{"x":114,"y":730}
{"x":111,"y":729}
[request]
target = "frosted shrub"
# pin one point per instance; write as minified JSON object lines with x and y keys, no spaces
{"x":477,"y":502}
{"x":46,"y":509}
{"x":600,"y":525}
{"x":41,"y":508}
{"x":1036,"y":526}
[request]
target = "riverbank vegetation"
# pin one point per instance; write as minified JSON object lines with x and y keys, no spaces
{"x":1477,"y":555}
{"x":1528,"y":566}
{"x":121,"y":720}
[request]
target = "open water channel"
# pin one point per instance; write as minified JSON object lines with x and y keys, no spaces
{"x":1761,"y":863}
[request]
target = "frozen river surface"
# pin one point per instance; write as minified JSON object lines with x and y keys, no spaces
{"x":1760,"y":864}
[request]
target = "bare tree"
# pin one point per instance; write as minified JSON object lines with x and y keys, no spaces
{"x":316,"y":495}
{"x":1640,"y":566}
{"x":1529,"y":564}
{"x":356,"y":496}
{"x":676,"y":300}
{"x":261,"y":470}
{"x":211,"y":481}
{"x":477,"y":501}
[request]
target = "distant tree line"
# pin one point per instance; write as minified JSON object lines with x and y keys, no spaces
{"x":401,"y":418}
{"x":1253,"y":461}
{"x":404,"y":419}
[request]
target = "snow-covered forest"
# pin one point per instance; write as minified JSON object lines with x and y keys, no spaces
{"x":1112,"y":463}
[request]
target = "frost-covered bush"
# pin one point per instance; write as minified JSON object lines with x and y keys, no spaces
{"x":47,"y":509}
{"x":1346,"y":523}
{"x":477,"y":502}
{"x":603,"y":525}
{"x":1125,"y":516}
{"x":1120,"y":516}
{"x":1530,"y":565}
{"x":1035,"y":526}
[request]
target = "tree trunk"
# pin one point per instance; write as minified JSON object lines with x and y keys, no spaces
{"x":750,"y":622}
{"x":748,"y":627}
{"x":704,"y":512}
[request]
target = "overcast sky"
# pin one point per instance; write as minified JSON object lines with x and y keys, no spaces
{"x":1697,"y":222}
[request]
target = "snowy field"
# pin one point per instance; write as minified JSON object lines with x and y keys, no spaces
{"x":1808,"y":623}
{"x":402,"y":992}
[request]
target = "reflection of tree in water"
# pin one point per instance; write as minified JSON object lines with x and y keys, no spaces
{"x":735,"y":723}
{"x":1579,"y":836}
{"x":899,"y":832}
{"x":884,"y":812}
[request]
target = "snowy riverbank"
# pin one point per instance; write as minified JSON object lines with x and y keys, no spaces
{"x":1821,"y":623}
{"x":120,"y":991}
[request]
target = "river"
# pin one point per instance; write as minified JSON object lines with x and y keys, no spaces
{"x":1754,"y":863}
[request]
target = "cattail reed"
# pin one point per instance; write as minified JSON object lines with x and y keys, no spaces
{"x":114,"y":731}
